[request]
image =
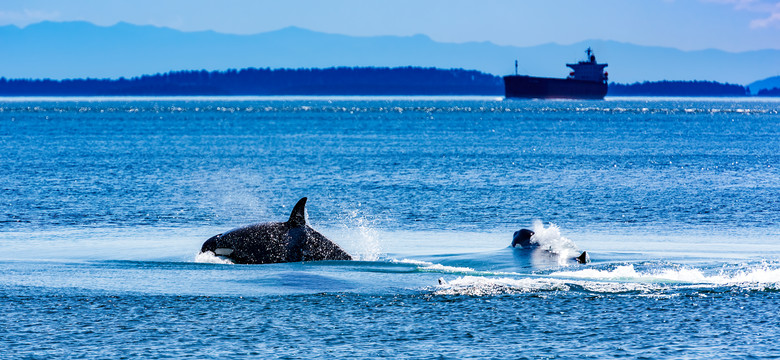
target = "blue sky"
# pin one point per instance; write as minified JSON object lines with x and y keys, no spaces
{"x":731,"y":25}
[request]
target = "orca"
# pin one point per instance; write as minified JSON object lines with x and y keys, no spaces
{"x":275,"y":242}
{"x":522,"y":237}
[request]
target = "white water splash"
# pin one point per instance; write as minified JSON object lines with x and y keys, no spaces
{"x":209,"y":257}
{"x":762,"y":274}
{"x":362,"y":237}
{"x":550,"y":239}
{"x":621,"y":279}
{"x":484,"y":286}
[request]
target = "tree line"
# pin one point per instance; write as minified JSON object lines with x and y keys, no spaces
{"x":252,"y":81}
{"x":677,"y":88}
{"x":769,"y":92}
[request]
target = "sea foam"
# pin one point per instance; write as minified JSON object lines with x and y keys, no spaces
{"x":209,"y":257}
{"x":760,"y":274}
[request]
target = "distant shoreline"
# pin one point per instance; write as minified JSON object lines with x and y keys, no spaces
{"x":337,"y":81}
{"x":54,"y":98}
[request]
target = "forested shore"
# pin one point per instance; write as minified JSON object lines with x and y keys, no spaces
{"x":333,"y":81}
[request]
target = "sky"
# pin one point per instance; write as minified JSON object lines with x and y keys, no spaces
{"x":730,"y":25}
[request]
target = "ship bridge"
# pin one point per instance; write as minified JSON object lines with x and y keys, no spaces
{"x":588,"y":70}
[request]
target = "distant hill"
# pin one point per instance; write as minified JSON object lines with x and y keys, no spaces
{"x":766,"y":84}
{"x":80,"y":50}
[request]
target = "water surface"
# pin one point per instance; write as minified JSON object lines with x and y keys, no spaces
{"x":104,"y":203}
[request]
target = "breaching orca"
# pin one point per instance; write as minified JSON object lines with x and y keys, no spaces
{"x":276,"y":242}
{"x":522,"y":237}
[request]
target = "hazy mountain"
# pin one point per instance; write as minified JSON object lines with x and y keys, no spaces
{"x":80,"y":49}
{"x":768,"y":83}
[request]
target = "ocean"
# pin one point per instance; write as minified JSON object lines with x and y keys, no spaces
{"x":105,"y":202}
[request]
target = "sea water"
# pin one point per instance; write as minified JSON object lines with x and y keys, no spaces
{"x":105,"y":202}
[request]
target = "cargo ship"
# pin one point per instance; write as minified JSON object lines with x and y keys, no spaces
{"x":587,"y":80}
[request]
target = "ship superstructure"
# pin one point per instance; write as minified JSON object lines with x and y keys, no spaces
{"x":587,"y":80}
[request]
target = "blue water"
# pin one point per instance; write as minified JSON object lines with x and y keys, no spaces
{"x":104,"y":204}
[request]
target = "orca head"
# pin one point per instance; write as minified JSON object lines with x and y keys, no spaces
{"x":522,"y":237}
{"x":210,"y":244}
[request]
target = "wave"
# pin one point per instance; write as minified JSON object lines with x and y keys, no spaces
{"x":621,"y":279}
{"x":759,"y":274}
{"x":483,"y":286}
{"x":426,"y":266}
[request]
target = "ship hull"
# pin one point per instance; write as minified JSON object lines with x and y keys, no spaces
{"x":518,"y":86}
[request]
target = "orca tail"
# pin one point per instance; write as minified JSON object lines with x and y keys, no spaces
{"x":298,"y":215}
{"x":583,"y":258}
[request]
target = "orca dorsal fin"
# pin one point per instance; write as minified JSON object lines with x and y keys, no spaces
{"x":583,"y":258}
{"x":298,"y":215}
